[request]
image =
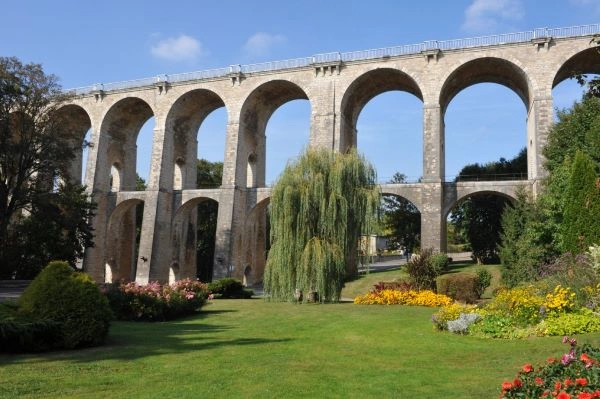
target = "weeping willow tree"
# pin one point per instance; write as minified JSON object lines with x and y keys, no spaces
{"x":320,"y":206}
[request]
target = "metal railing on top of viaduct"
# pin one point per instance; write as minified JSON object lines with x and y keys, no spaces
{"x":432,"y":45}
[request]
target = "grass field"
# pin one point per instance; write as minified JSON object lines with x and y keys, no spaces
{"x":255,"y":349}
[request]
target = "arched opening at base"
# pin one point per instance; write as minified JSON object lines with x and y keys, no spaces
{"x":401,"y":225}
{"x":474,"y":226}
{"x":193,"y":240}
{"x":124,"y":232}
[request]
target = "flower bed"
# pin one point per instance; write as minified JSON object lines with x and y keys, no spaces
{"x":397,"y":297}
{"x":156,"y":302}
{"x":575,"y":375}
{"x":521,"y":312}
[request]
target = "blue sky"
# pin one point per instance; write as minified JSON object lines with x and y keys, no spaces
{"x":86,"y":42}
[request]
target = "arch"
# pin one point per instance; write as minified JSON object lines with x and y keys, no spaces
{"x":76,"y":122}
{"x":251,"y":173}
{"x":121,"y":262}
{"x":115,"y":177}
{"x":119,"y":130}
{"x":584,"y":62}
{"x":464,"y":195}
{"x":255,"y":242}
{"x":408,"y":193}
{"x":406,"y":225}
{"x":363,"y":89}
{"x":256,"y":110}
{"x":486,"y":70}
{"x":184,"y":238}
{"x":183,"y":121}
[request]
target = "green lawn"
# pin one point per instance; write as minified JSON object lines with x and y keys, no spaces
{"x":254,"y":349}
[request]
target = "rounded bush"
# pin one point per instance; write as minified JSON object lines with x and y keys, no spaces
{"x":72,"y":299}
{"x":229,"y":288}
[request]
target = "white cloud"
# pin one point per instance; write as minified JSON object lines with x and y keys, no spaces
{"x":182,"y":48}
{"x":491,"y":15}
{"x":261,"y":43}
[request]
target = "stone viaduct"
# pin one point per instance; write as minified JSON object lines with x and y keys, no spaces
{"x":337,"y":85}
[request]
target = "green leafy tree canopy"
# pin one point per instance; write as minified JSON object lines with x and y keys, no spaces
{"x":320,"y":206}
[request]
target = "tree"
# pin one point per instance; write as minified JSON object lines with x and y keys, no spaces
{"x":401,"y":218}
{"x":525,"y":241}
{"x":320,"y":206}
{"x":581,"y":223}
{"x":36,"y":149}
{"x":478,"y":218}
{"x":209,"y":175}
{"x":577,"y":129}
{"x":57,"y":227}
{"x":565,"y":215}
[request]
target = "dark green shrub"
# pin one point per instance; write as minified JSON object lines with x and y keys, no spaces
{"x":72,"y":299}
{"x":460,"y":287}
{"x":484,"y":280}
{"x":19,"y":333}
{"x":229,"y":288}
{"x":422,"y":271}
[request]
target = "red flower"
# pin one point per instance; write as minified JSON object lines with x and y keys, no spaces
{"x":581,"y":381}
{"x":557,"y":385}
{"x":551,"y":360}
{"x":568,"y":382}
{"x":517,"y":383}
{"x":506,"y":386}
{"x":538,"y":381}
{"x":527,"y":368}
{"x":563,"y":395}
{"x":584,"y":395}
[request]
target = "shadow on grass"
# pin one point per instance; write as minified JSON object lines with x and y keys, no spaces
{"x":131,"y":340}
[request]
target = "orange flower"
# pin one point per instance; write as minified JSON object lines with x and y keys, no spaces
{"x":581,"y":381}
{"x":527,"y":368}
{"x":563,"y":395}
{"x":506,"y":386}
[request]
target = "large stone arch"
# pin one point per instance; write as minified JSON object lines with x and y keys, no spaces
{"x":255,"y":243}
{"x":410,"y":192}
{"x":183,"y":239}
{"x":76,"y":122}
{"x":362,"y":90}
{"x":120,"y":262}
{"x":118,"y":150}
{"x":256,"y":110}
{"x":486,"y":70}
{"x":182,"y":123}
{"x":465,"y":193}
{"x":491,"y":70}
{"x":583,"y":62}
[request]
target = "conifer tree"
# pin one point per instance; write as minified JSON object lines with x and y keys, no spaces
{"x":581,"y":222}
